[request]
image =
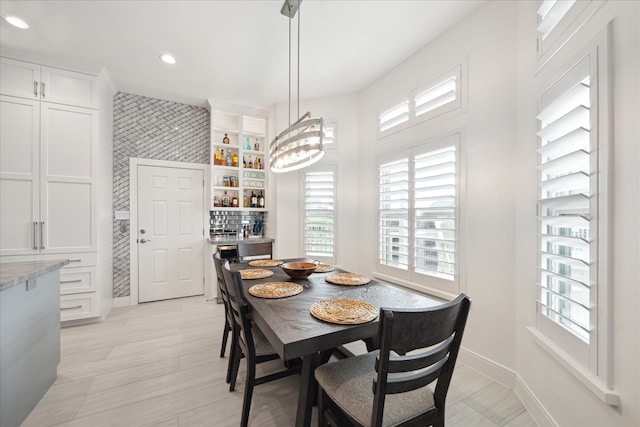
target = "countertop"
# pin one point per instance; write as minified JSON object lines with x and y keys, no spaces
{"x":235,"y":240}
{"x":14,"y":273}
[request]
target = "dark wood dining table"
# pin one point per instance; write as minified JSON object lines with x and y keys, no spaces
{"x":295,"y":333}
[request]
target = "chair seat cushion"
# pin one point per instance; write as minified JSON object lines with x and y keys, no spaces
{"x":349,"y":383}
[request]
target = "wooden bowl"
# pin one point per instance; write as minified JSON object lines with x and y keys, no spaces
{"x":299,"y":270}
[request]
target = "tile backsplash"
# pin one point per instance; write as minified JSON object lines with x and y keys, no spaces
{"x":155,"y":129}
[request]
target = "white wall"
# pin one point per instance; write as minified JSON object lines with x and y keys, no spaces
{"x":566,"y":400}
{"x":496,"y":45}
{"x":484,"y":44}
{"x":288,"y":210}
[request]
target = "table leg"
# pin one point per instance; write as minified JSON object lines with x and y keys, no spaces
{"x":307,"y":390}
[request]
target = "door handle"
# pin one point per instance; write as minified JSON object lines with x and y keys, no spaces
{"x":143,"y":240}
{"x":35,"y":233}
{"x":35,"y":88}
{"x":42,"y":235}
{"x":42,"y":89}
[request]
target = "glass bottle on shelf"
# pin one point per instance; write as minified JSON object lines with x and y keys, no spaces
{"x":234,"y":201}
{"x":235,"y":160}
{"x":244,"y":162}
{"x":261,"y":201}
{"x":250,"y":165}
{"x":229,"y":159}
{"x":225,"y":140}
{"x":256,"y":146}
{"x":216,"y":201}
{"x":257,"y":164}
{"x":245,"y":201}
{"x":247,"y":145}
{"x":216,"y":157}
{"x":254,"y":200}
{"x":225,"y":200}
{"x":223,"y":160}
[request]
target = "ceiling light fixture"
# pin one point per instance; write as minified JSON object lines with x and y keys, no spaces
{"x":16,"y":22}
{"x":300,"y":145}
{"x":168,"y":59}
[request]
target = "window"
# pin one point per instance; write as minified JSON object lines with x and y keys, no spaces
{"x":572,"y":212}
{"x":557,"y":20}
{"x":320,"y":214}
{"x":330,"y":135}
{"x":437,"y":97}
{"x":418,"y":215}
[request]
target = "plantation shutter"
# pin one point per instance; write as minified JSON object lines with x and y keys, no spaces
{"x":567,"y":197}
{"x":437,"y":96}
{"x":319,"y":212}
{"x":434,"y":213}
{"x":550,"y":12}
{"x":394,"y":214}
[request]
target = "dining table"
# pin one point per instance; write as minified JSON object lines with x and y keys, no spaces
{"x":295,"y":333}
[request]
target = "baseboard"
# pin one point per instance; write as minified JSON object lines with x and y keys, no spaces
{"x":121,"y":301}
{"x":533,"y":405}
{"x":493,"y":370}
{"x":510,"y":379}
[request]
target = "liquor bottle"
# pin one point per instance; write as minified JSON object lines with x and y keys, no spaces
{"x":247,"y":145}
{"x":234,"y":201}
{"x":235,"y":160}
{"x":261,"y":201}
{"x":257,"y":164}
{"x":229,"y":159}
{"x":250,"y":163}
{"x":225,"y":200}
{"x":223,"y":160}
{"x":244,"y":162}
{"x":216,"y":157}
{"x":225,"y":140}
{"x":245,"y":201}
{"x":257,"y":145}
{"x":254,"y":200}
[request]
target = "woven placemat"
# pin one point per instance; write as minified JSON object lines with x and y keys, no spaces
{"x":349,"y":279}
{"x":265,"y":262}
{"x":344,"y":311}
{"x":324,"y":268}
{"x":275,"y":290}
{"x":255,"y":273}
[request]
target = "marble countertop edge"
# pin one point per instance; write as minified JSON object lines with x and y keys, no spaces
{"x":14,"y":273}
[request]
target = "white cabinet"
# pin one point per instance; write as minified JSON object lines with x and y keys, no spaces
{"x":239,"y":158}
{"x":49,"y":145}
{"x":47,"y":177}
{"x":38,"y":82}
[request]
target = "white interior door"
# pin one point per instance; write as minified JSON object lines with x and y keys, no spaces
{"x":170,"y":233}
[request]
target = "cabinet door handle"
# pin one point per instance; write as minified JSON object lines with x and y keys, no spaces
{"x":42,"y":235}
{"x":35,"y":233}
{"x":42,"y":89}
{"x":71,"y":281}
{"x":35,"y":88}
{"x":75,"y":260}
{"x":70,"y":308}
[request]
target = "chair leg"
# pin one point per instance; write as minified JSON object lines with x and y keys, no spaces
{"x":225,"y":336}
{"x":322,"y":421}
{"x":232,"y":355}
{"x":248,"y":392}
{"x":237,"y":355}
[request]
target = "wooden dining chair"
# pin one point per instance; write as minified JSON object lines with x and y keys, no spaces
{"x":251,"y":343}
{"x":392,"y":386}
{"x":255,"y":250}
{"x":228,"y":317}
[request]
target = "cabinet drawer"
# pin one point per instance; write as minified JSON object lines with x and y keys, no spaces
{"x":78,"y":259}
{"x":78,"y":306}
{"x":77,"y":280}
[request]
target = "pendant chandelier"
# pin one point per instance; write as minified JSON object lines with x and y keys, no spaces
{"x":300,"y":145}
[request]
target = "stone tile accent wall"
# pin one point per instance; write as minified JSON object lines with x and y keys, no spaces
{"x":151,"y":129}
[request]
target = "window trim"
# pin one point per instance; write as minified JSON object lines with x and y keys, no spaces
{"x":455,"y":72}
{"x":410,"y":278}
{"x":598,"y":371}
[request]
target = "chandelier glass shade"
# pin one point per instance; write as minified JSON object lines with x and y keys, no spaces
{"x":301,"y":144}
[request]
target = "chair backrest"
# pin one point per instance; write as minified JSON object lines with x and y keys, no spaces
{"x":255,"y":250}
{"x":239,"y":309}
{"x":419,"y":346}
{"x":222,"y":286}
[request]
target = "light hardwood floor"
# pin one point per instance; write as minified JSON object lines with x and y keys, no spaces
{"x":158,"y":364}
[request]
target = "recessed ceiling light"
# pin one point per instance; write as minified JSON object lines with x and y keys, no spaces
{"x":16,"y":22}
{"x":168,"y":59}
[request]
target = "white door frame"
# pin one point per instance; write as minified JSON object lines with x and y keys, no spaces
{"x":133,"y":217}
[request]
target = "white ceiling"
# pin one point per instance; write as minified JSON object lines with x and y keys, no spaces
{"x":233,"y":51}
